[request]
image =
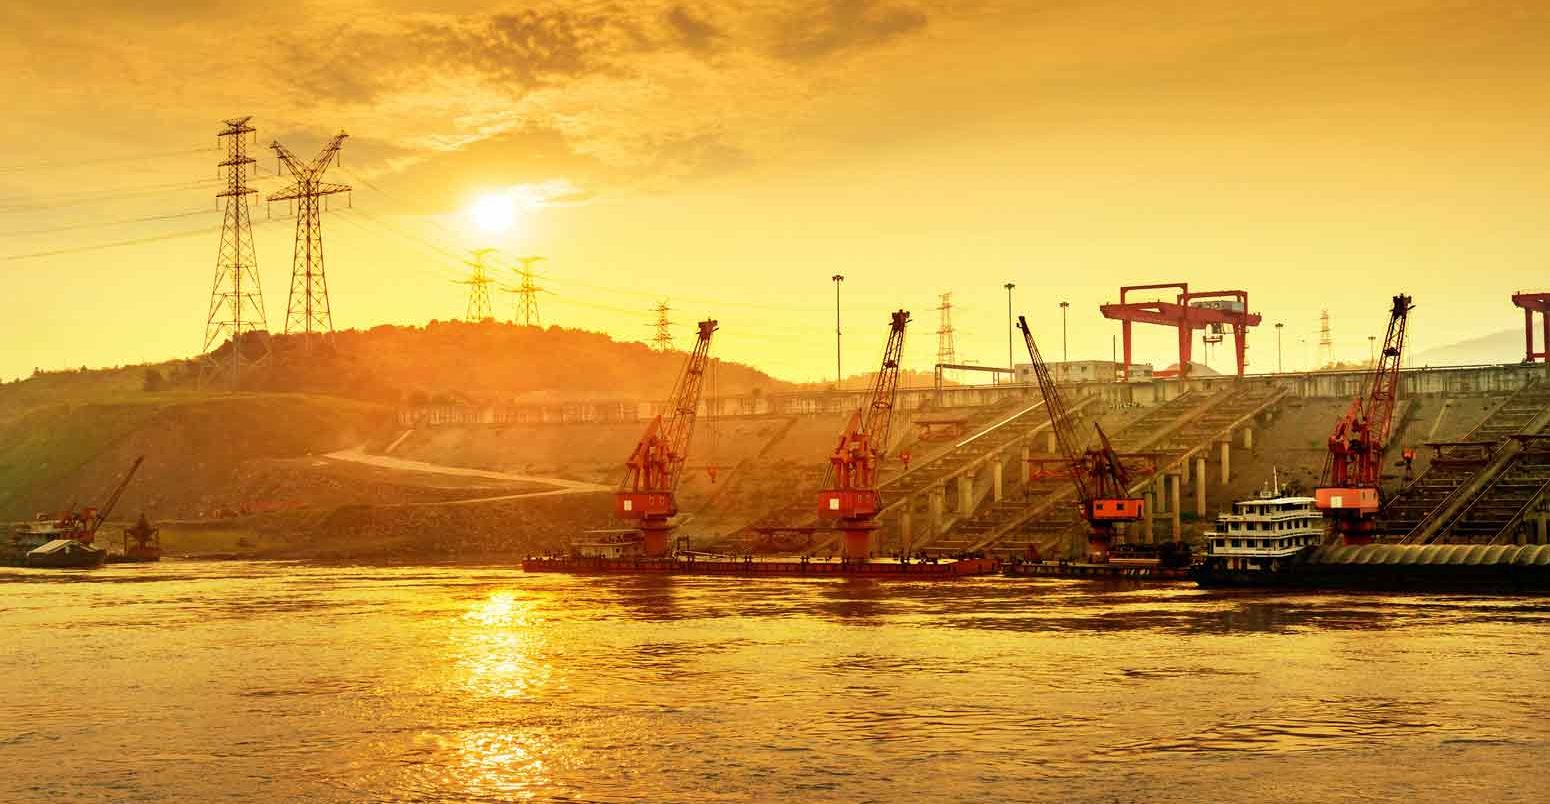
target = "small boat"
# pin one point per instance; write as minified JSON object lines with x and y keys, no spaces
{"x":67,"y":554}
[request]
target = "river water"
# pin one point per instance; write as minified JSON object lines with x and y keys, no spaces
{"x":270,"y":682}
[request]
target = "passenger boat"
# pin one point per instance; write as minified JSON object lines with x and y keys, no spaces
{"x":1261,"y":539}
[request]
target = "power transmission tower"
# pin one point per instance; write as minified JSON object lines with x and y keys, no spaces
{"x":1326,"y":343}
{"x":236,"y":299}
{"x":527,"y":294}
{"x":945,"y":351}
{"x":664,"y":337}
{"x":308,"y":311}
{"x":478,"y":283}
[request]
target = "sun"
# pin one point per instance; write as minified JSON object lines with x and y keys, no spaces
{"x":493,"y":213}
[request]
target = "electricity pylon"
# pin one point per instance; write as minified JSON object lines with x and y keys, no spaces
{"x":236,"y":299}
{"x":308,"y":311}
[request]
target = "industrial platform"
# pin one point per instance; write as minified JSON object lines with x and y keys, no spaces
{"x":771,"y":566}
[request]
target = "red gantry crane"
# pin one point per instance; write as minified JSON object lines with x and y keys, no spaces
{"x":1206,"y":309}
{"x":1349,"y":491}
{"x":647,"y":493}
{"x":1099,"y":475}
{"x":850,"y":485}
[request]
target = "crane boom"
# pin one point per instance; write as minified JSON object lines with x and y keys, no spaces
{"x":850,"y":482}
{"x":102,"y":514}
{"x":1353,"y":468}
{"x":1098,"y":474}
{"x":1059,"y":421}
{"x":655,"y":467}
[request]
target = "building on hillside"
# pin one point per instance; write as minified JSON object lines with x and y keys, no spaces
{"x":1085,"y":371}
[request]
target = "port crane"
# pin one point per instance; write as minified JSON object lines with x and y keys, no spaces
{"x":1349,"y":489}
{"x":652,"y":473}
{"x":82,"y":525}
{"x":849,"y":492}
{"x":1099,"y":474}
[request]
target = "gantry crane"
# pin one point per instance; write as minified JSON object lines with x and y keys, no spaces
{"x":654,"y":469}
{"x":1098,"y":473}
{"x":849,"y":492}
{"x":1353,"y":469}
{"x":1213,"y":310}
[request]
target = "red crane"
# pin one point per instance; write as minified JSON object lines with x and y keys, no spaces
{"x":849,"y":492}
{"x":655,"y":468}
{"x":1206,"y":309}
{"x":1349,"y":490}
{"x":1099,"y":474}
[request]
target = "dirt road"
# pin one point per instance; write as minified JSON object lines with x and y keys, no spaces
{"x":560,"y":485}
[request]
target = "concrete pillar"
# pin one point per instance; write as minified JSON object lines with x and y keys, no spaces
{"x":1248,"y":438}
{"x":965,"y":495}
{"x":1177,"y":532}
{"x":1049,"y":442}
{"x":1544,"y":522}
{"x":997,"y":473}
{"x":1184,"y":471}
{"x":1027,"y":468}
{"x":936,"y":502}
{"x":1226,"y":458}
{"x":1160,"y":493}
{"x":907,"y":528}
{"x":1148,"y":502}
{"x":1200,"y":488}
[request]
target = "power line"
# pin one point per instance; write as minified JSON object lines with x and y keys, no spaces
{"x":117,"y":244}
{"x":86,"y":197}
{"x":106,"y":160}
{"x":120,"y":222}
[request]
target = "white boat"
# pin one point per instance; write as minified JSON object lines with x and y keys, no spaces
{"x":1261,"y":536}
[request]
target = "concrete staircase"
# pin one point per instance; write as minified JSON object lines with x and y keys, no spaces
{"x":1469,"y":484}
{"x":1049,"y":519}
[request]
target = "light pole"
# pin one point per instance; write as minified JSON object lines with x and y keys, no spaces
{"x":1279,"y":369}
{"x":1009,"y":363}
{"x":1065,"y":355}
{"x":838,"y":377}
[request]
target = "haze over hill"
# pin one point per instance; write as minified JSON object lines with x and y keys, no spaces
{"x":489,"y":361}
{"x":1505,"y":346}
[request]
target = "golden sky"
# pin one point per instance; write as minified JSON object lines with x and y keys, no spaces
{"x":731,"y":156}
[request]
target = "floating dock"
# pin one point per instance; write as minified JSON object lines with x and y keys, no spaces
{"x":1400,"y":567}
{"x":770,"y":566}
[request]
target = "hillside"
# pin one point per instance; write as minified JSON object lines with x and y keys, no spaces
{"x":211,"y":453}
{"x":195,"y":447}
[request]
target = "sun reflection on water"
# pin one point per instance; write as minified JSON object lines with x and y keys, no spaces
{"x":501,"y":648}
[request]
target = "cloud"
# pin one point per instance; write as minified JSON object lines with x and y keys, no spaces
{"x":695,"y":32}
{"x":845,"y":25}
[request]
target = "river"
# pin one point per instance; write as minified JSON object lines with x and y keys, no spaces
{"x":269,"y":682}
